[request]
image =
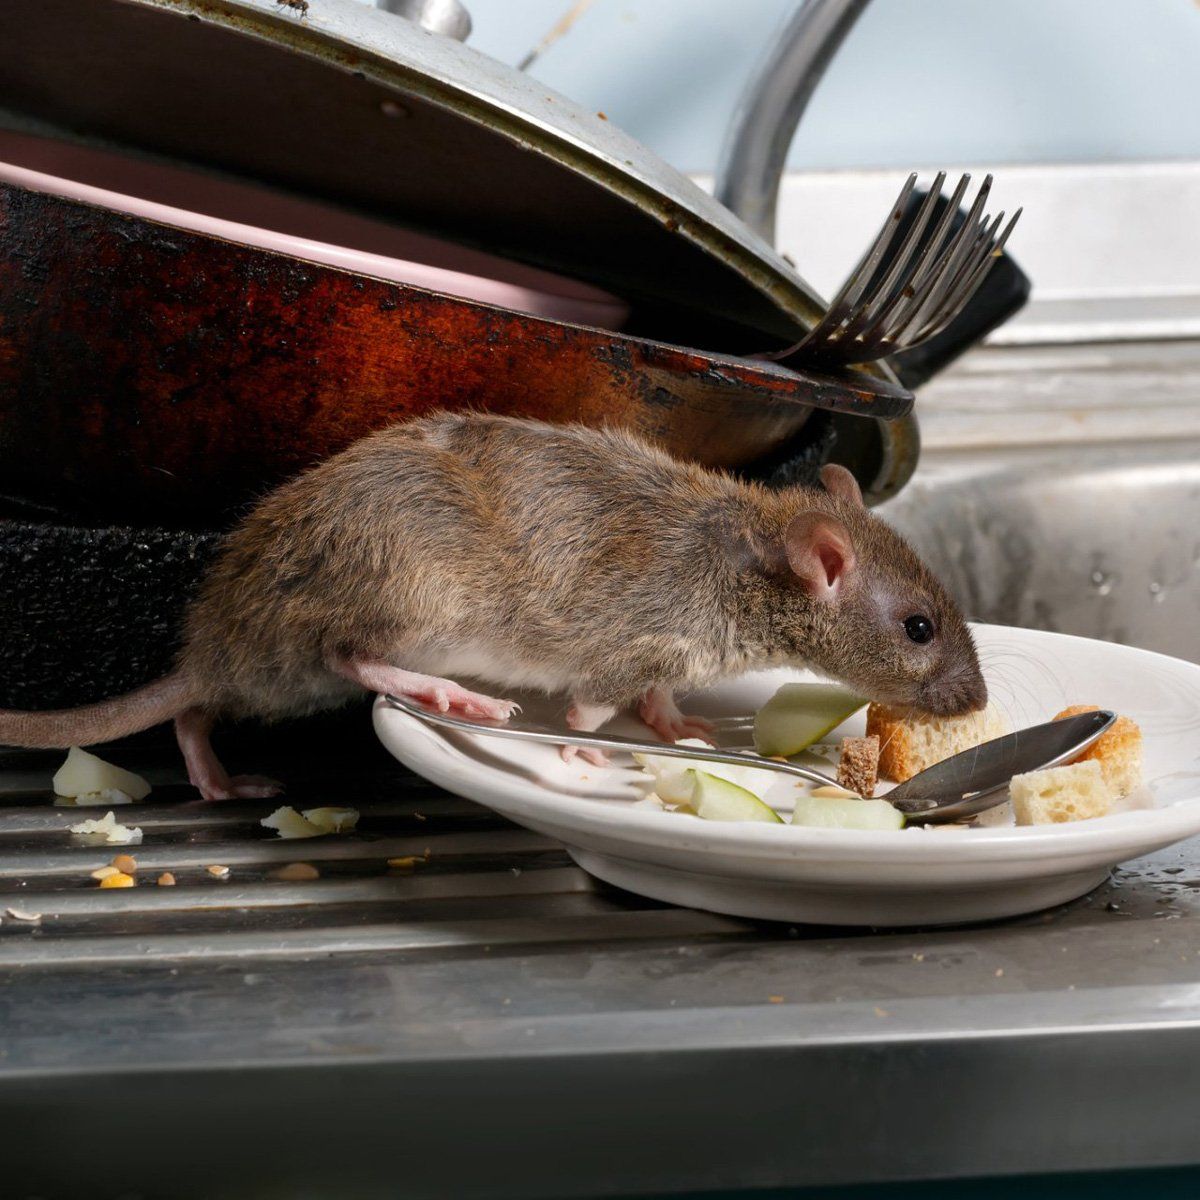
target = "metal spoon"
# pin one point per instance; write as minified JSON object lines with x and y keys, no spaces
{"x":956,"y":788}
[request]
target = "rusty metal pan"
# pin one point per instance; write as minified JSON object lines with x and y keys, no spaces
{"x":144,"y":368}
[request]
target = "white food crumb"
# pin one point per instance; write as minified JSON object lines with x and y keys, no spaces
{"x":83,"y":774}
{"x":107,"y":796}
{"x":288,"y":823}
{"x":114,"y":834}
{"x":332,"y":820}
{"x":21,"y":914}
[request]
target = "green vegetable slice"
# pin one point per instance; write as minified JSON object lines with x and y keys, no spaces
{"x":719,"y":800}
{"x":836,"y":812}
{"x":800,"y":714}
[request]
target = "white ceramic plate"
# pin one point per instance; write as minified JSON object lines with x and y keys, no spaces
{"x":846,"y":877}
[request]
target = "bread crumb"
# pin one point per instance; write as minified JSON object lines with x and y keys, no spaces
{"x":858,"y":766}
{"x":999,"y":972}
{"x":1118,"y":750}
{"x":881,"y":1012}
{"x":126,"y":863}
{"x":1058,"y":794}
{"x":166,"y":879}
{"x":117,"y":880}
{"x":297,"y":872}
{"x":407,"y":862}
{"x":217,"y":871}
{"x":104,"y":872}
{"x":775,"y":999}
{"x":21,"y":914}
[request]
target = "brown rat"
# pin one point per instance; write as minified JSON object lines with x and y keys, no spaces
{"x":529,"y":555}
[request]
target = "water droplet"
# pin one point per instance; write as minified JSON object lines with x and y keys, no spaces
{"x":1102,"y":582}
{"x":1157,"y":591}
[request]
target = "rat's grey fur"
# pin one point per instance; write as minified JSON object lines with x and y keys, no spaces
{"x":564,"y":558}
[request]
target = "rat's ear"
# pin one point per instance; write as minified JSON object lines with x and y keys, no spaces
{"x":840,"y":483}
{"x":820,"y":553}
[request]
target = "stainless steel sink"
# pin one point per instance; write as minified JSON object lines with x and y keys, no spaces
{"x":477,"y":1018}
{"x":1060,"y":489}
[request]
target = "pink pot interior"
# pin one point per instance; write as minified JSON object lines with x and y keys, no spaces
{"x":256,"y":216}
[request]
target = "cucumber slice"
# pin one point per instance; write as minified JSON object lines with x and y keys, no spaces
{"x":719,"y":800}
{"x":800,"y":714}
{"x":835,"y":812}
{"x":673,"y":780}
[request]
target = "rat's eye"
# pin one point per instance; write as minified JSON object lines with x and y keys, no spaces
{"x":919,"y":629}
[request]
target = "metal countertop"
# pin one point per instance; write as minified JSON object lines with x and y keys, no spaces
{"x":492,"y":1023}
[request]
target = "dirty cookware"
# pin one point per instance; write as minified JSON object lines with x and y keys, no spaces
{"x":143,"y":364}
{"x":154,"y":361}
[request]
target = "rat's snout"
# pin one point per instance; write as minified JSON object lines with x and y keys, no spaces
{"x":956,"y":696}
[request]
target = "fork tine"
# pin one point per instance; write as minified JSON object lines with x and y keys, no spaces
{"x":971,"y":278}
{"x":858,"y":279}
{"x":957,"y":251}
{"x":939,"y":251}
{"x":904,"y":260}
{"x":920,"y":281}
{"x":946,"y":285}
{"x":821,"y":333}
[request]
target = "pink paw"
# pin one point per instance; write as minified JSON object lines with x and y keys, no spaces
{"x":450,"y":698}
{"x":589,"y":754}
{"x":241,"y":787}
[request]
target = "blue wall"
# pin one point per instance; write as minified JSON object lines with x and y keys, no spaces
{"x":919,"y":82}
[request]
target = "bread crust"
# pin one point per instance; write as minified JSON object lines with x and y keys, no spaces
{"x":909,"y":742}
{"x":1118,"y":750}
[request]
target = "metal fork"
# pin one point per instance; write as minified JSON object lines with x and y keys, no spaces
{"x":907,"y":289}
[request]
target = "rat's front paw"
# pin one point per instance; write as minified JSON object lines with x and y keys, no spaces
{"x":589,"y":754}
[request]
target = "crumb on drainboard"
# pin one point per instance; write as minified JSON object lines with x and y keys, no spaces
{"x":166,"y":879}
{"x":217,"y":871}
{"x":297,"y":872}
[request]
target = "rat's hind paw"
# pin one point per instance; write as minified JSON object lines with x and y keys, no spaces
{"x":254,"y":787}
{"x":590,"y":754}
{"x":240,"y":787}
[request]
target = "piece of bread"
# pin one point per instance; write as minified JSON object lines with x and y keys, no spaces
{"x":911,"y":741}
{"x":1118,"y":750}
{"x":1071,"y":793}
{"x":858,"y":767}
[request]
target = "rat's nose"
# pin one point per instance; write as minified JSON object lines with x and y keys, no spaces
{"x":956,"y":697}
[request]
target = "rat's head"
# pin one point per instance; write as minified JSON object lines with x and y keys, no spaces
{"x":876,"y":617}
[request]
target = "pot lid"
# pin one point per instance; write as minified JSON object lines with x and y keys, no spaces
{"x":369,"y":110}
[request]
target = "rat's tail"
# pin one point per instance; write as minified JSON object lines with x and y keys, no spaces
{"x":137,"y":710}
